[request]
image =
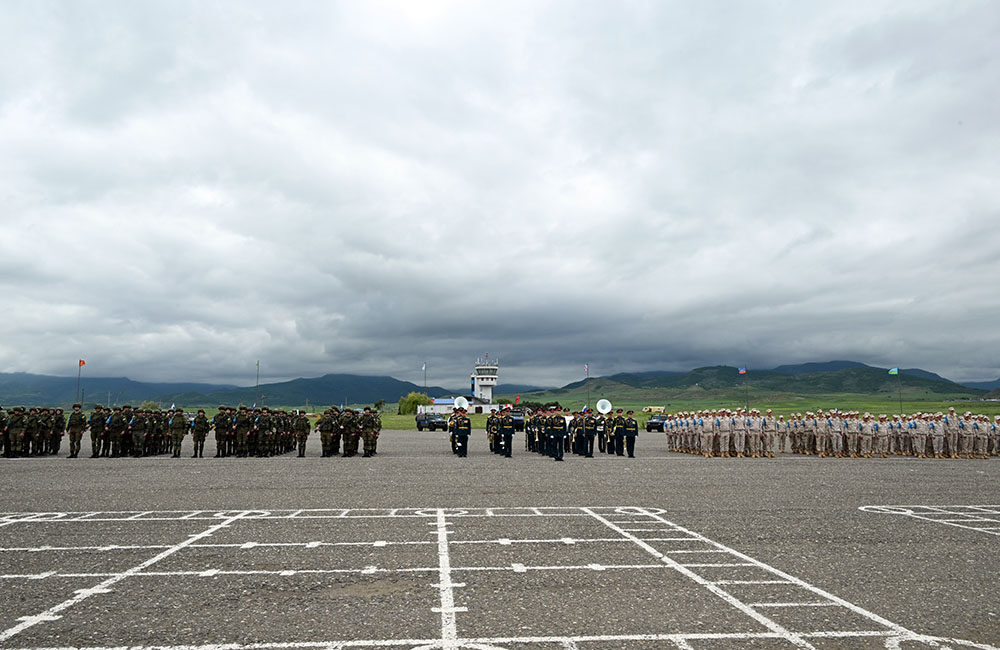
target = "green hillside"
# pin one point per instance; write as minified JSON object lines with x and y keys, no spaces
{"x":858,"y":388}
{"x":863,"y":380}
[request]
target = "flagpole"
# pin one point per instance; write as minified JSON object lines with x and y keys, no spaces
{"x":899,"y":385}
{"x":425,"y":376}
{"x":746,"y":387}
{"x":256,"y":398}
{"x":588,"y":386}
{"x":79,"y":371}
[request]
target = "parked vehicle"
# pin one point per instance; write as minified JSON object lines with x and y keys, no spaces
{"x":431,"y":421}
{"x":656,"y":422}
{"x":517,"y":413}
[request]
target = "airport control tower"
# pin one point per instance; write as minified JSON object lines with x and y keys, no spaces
{"x":484,"y":379}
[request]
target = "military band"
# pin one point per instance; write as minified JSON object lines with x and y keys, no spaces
{"x":550,"y":433}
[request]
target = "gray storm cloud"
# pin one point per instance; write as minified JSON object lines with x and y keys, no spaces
{"x":365,"y":187}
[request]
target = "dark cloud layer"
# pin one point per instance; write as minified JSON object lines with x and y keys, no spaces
{"x":363,"y":187}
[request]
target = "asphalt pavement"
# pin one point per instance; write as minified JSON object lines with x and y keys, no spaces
{"x":418,"y":548}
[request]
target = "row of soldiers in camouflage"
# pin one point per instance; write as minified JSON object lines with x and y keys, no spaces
{"x":833,"y":434}
{"x":124,"y":431}
{"x":554,"y":433}
{"x":336,"y":425}
{"x":34,"y":432}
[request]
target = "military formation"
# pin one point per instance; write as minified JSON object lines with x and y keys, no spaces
{"x":242,"y":432}
{"x":832,"y":434}
{"x":337,"y":426}
{"x":552,"y":433}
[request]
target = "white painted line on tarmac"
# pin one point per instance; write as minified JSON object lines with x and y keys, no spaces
{"x":679,"y":640}
{"x":103,"y":586}
{"x":772,"y":625}
{"x":921,"y":512}
{"x":449,"y":625}
{"x":821,"y":604}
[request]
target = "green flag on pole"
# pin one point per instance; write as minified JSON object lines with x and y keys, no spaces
{"x":893,"y":371}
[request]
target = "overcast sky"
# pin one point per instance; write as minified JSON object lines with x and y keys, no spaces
{"x":361,"y":187}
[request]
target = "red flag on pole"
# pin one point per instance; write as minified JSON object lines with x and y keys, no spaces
{"x":82,"y":362}
{"x":517,"y":399}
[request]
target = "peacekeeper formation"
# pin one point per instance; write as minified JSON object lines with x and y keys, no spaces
{"x":123,"y":431}
{"x":833,"y":434}
{"x":551,"y":433}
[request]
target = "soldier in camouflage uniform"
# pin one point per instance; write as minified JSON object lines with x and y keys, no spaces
{"x":96,"y":424}
{"x":76,"y":424}
{"x":116,"y":428}
{"x":367,"y":425}
{"x":126,"y":444}
{"x":15,"y":431}
{"x":199,"y":431}
{"x":177,"y":425}
{"x":3,"y":434}
{"x":301,"y":427}
{"x":336,"y":432}
{"x":242,"y":425}
{"x":220,"y":425}
{"x":350,"y":427}
{"x":57,"y":426}
{"x":136,"y":433}
{"x":325,"y":428}
{"x":28,"y":443}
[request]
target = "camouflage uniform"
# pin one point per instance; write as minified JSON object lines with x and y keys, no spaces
{"x":177,"y":425}
{"x":220,"y":423}
{"x":57,"y":427}
{"x":243,"y":424}
{"x":15,"y":431}
{"x":199,"y":430}
{"x":350,"y":428}
{"x":96,"y":423}
{"x":302,"y":428}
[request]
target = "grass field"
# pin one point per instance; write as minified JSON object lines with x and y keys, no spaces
{"x":780,"y":404}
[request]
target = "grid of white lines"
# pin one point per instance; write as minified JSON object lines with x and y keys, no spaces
{"x":982,"y":519}
{"x":662,"y":544}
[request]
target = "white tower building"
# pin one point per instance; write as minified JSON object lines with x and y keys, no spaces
{"x":484,"y":378}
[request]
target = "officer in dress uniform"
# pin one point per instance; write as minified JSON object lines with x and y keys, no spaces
{"x":589,"y":433}
{"x":505,"y":430}
{"x":557,"y":435}
{"x":493,"y":432}
{"x":630,"y":430}
{"x":463,"y":428}
{"x":617,"y":435}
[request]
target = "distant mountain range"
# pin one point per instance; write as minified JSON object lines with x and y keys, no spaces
{"x":830,"y":377}
{"x":21,"y":388}
{"x":27,"y":389}
{"x":816,"y":378}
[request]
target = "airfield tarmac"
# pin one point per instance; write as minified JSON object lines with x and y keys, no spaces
{"x":417,"y":548}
